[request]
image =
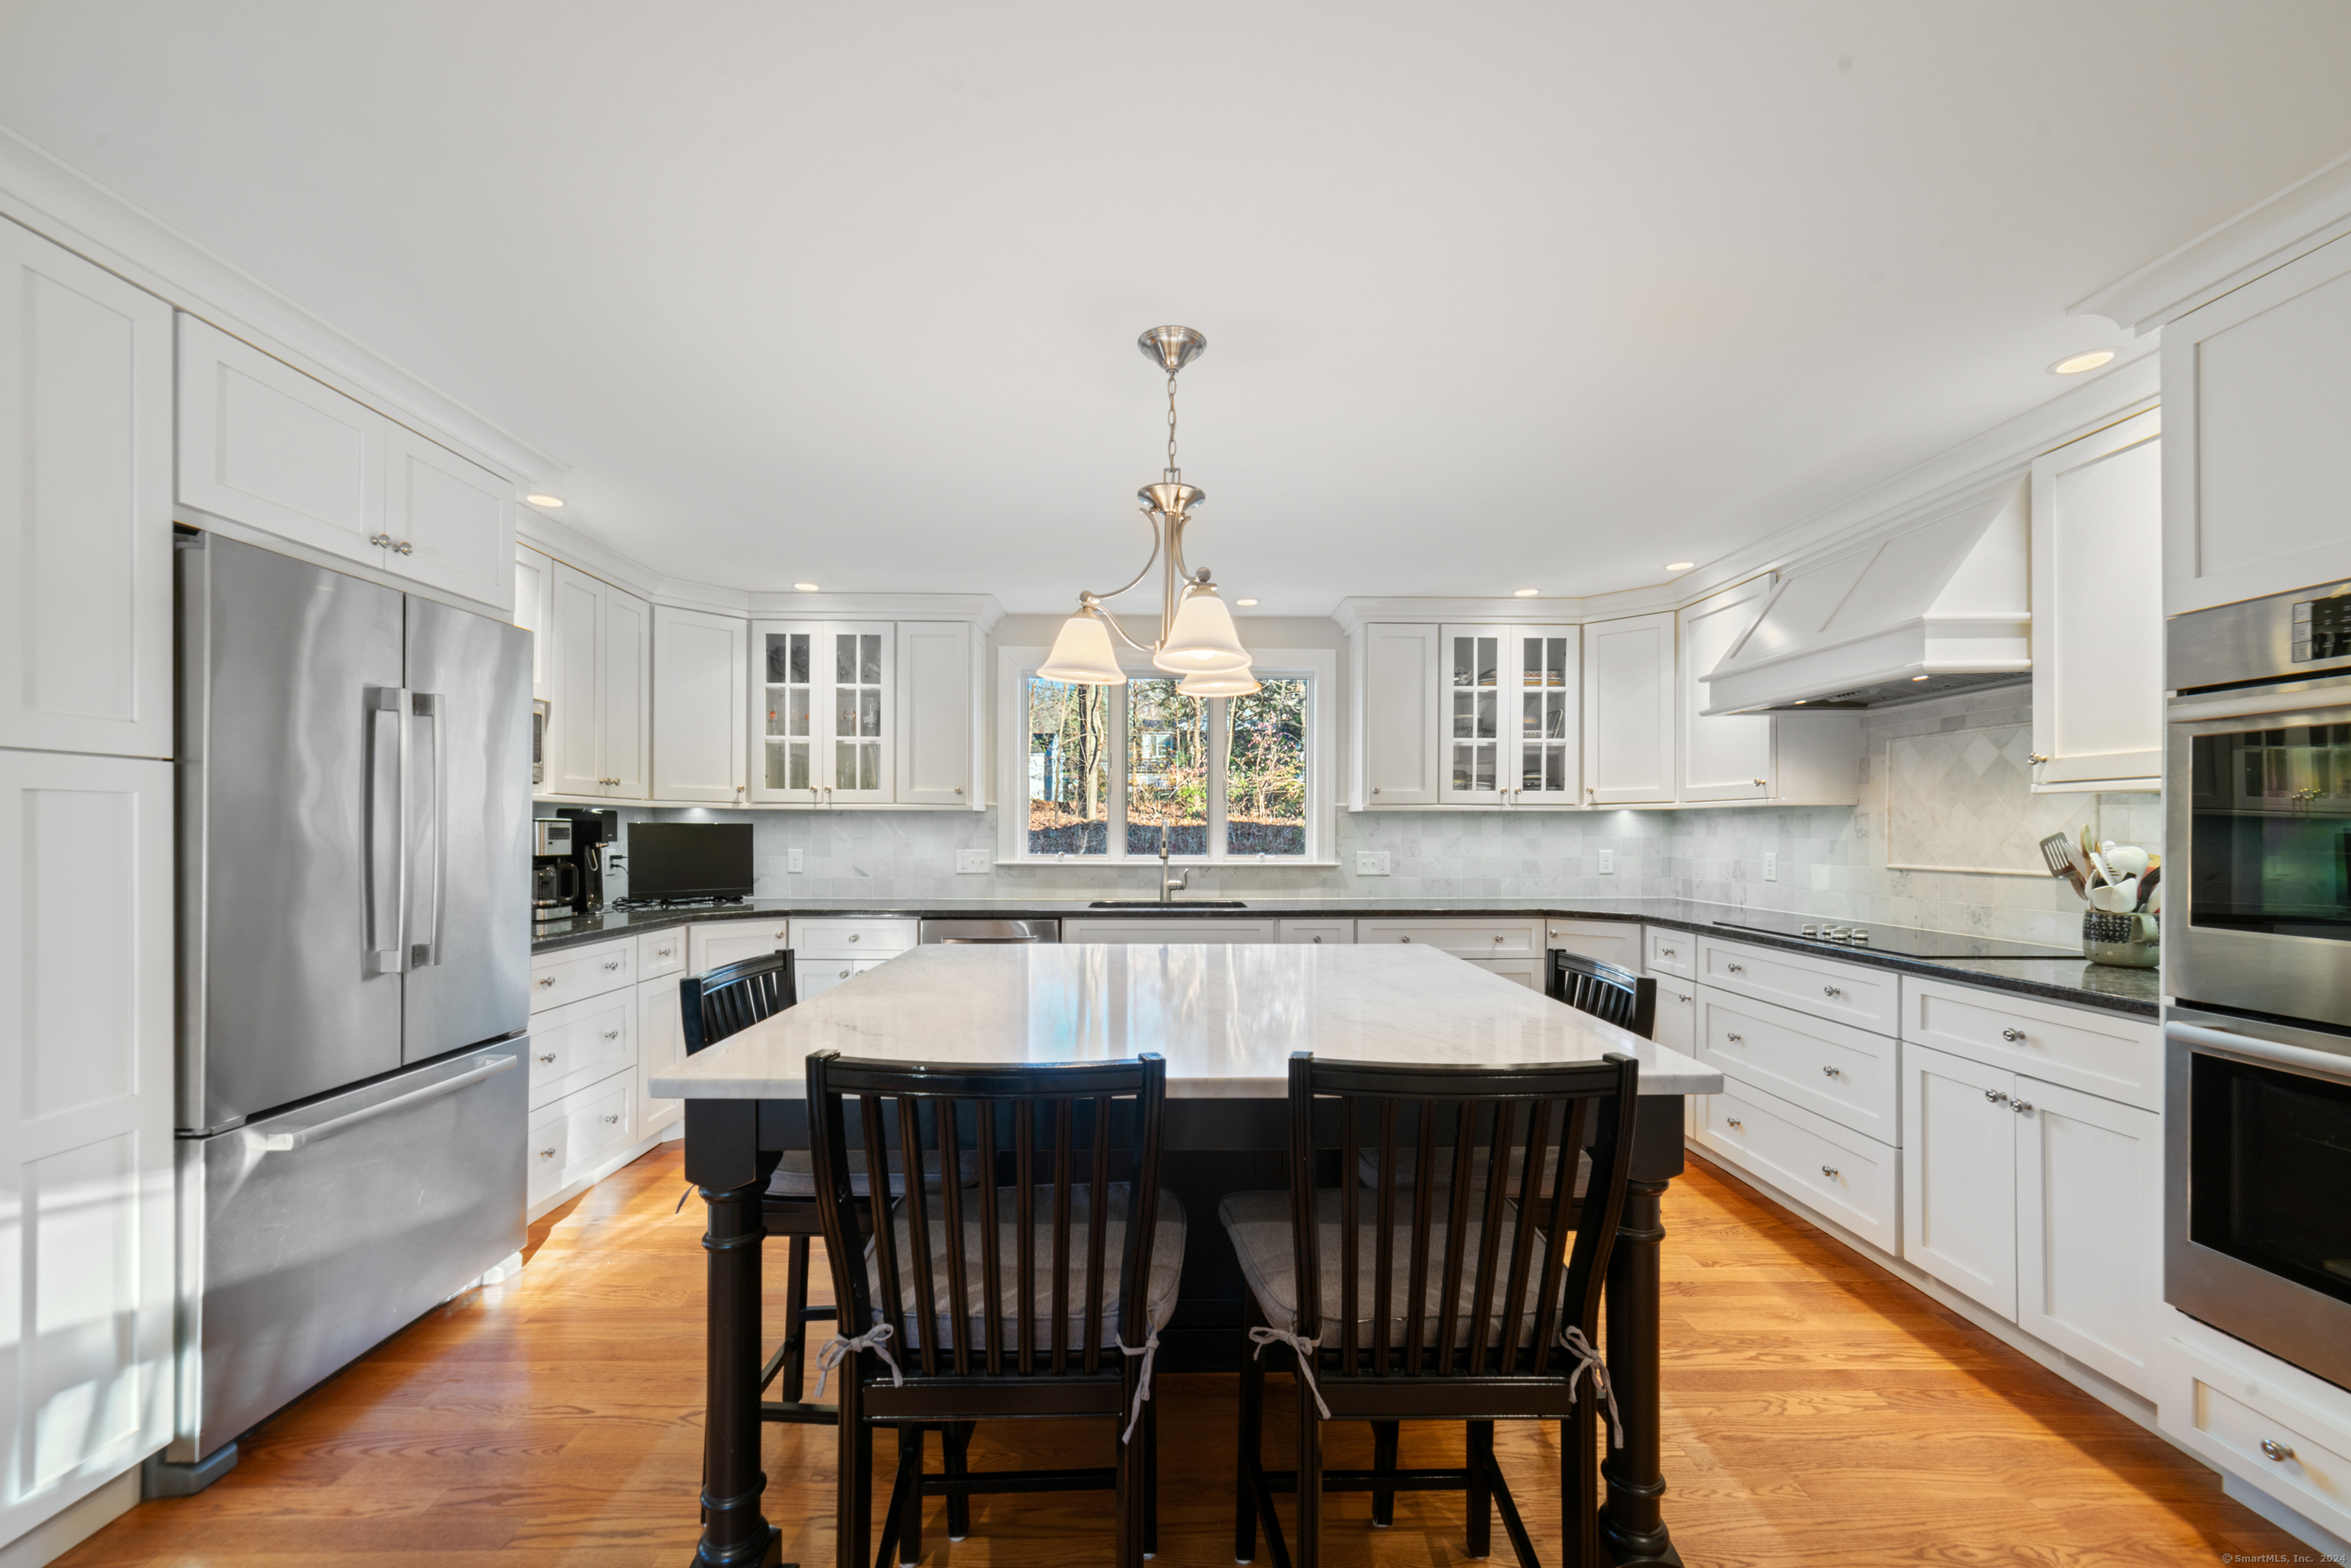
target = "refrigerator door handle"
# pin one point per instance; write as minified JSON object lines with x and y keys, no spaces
{"x":427,"y":705}
{"x":285,"y":1143}
{"x":387,"y":950}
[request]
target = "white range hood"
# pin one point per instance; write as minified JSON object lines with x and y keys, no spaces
{"x":1937,"y":606}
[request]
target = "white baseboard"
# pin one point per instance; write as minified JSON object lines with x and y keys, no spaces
{"x":2330,"y":1547}
{"x":73,"y":1524}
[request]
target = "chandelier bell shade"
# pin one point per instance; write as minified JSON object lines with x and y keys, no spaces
{"x":1223,"y":684}
{"x":1196,"y":635}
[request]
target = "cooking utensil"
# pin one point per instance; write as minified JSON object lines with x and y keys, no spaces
{"x":2129,"y":861}
{"x":2148,"y":882}
{"x":2059,"y":853}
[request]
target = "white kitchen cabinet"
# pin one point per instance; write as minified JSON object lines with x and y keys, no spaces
{"x":581,"y":1043}
{"x":534,"y":581}
{"x":574,"y":1138}
{"x":1676,"y":1024}
{"x":1527,"y":972}
{"x":1310,"y":932}
{"x":451,"y":521}
{"x":1176,"y":931}
{"x":600,"y":647}
{"x":2104,"y":1053}
{"x":661,"y":1045}
{"x":86,"y":511}
{"x":713,"y":943}
{"x":2256,"y":471}
{"x":826,"y":703}
{"x":568,"y":975}
{"x":1724,"y":757}
{"x":86,"y":1120}
{"x":1846,"y":1175}
{"x":1507,"y":704}
{"x":1485,"y":940}
{"x":1959,"y":1174}
{"x":263,"y":443}
{"x":1396,"y":703}
{"x":2098,"y":611}
{"x":1616,"y":941}
{"x":699,"y":733}
{"x":2089,"y":1233}
{"x":2260,"y":1420}
{"x":938,"y":708}
{"x":1823,"y":988}
{"x":1628,"y":711}
{"x":818,"y":975}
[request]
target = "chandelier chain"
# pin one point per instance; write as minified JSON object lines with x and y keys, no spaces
{"x":1175,"y":475}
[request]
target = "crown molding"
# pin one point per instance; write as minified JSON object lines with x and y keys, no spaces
{"x":585,"y":553}
{"x":2310,"y":213}
{"x":52,"y":197}
{"x":980,"y":609}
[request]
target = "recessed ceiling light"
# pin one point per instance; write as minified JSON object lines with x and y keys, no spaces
{"x":1245,"y":603}
{"x":1918,"y":677}
{"x":2088,"y":359}
{"x":1679,"y":565}
{"x":1524,"y":592}
{"x":805,"y":586}
{"x":1802,"y":701}
{"x":537,"y":500}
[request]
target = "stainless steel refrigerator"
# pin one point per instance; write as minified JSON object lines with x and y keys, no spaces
{"x":354,"y":799}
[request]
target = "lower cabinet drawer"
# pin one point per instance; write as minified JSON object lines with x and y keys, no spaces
{"x":2102,"y":1054}
{"x":1851,"y":1178}
{"x":713,"y":943}
{"x":576,"y":1134}
{"x":572,"y":1046}
{"x":1823,"y":988}
{"x":1670,"y":952}
{"x":1463,"y":938}
{"x":1676,"y":1025}
{"x":569,"y":974}
{"x":1527,"y":972}
{"x":1616,"y":941}
{"x":1143,"y":931}
{"x":1843,"y":1073}
{"x":1322,"y":931}
{"x":852,"y":938}
{"x":2266,"y":1426}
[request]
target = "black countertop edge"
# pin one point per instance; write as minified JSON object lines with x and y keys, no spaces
{"x":2072,"y":981}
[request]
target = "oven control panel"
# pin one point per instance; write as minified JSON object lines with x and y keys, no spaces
{"x":2322,"y":629}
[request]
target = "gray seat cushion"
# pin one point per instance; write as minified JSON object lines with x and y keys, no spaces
{"x":1166,"y":1267}
{"x":795,"y":1175}
{"x":1258,"y":1224}
{"x":1368,"y":1165}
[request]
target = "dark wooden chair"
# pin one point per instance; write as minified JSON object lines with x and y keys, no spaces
{"x":1006,"y":1302}
{"x":1472,"y":1298}
{"x":1613,"y":995}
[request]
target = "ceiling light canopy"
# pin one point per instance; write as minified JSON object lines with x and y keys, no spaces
{"x":2088,"y":359}
{"x":1196,"y":638}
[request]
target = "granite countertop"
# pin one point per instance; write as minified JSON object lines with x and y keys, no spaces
{"x":2074,"y":981}
{"x":1226,"y":1019}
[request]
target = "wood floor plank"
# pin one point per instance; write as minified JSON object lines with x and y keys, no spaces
{"x":1818,"y":1412}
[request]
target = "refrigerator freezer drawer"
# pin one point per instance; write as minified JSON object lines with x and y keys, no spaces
{"x":311,"y":1236}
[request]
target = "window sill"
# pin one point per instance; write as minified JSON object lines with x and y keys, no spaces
{"x":1089,"y":863}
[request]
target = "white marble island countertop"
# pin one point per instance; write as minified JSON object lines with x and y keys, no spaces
{"x":1226,"y":1017}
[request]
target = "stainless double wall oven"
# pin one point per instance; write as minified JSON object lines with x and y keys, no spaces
{"x":2257,"y":952}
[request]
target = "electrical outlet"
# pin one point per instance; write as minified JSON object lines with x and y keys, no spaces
{"x":1771,"y":865}
{"x":792,"y":860}
{"x":1371,"y":863}
{"x":970,"y":862}
{"x":1607,"y":863}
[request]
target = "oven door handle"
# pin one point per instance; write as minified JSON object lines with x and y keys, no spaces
{"x":2314,"y":700}
{"x":2324,"y":1062}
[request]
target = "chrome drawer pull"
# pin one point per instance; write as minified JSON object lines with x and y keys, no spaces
{"x":1734,"y":969}
{"x":1734,"y":1040}
{"x":1667,"y":952}
{"x":1995,"y":1096}
{"x":547,"y":1154}
{"x":609,"y":1120}
{"x":1735,"y":1121}
{"x":545,"y":981}
{"x":613,"y":964}
{"x":1830,"y":1172}
{"x":2011,"y":1035}
{"x":853,"y":937}
{"x":2276,"y":1450}
{"x":612,"y":1034}
{"x":1832,"y":1072}
{"x":2020,"y":1106}
{"x":547,"y":1056}
{"x":1683,"y":997}
{"x":1830,"y":991}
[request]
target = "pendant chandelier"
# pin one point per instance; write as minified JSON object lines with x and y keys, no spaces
{"x":1197,"y":637}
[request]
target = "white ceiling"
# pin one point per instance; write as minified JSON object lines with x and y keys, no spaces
{"x":1496,"y":295}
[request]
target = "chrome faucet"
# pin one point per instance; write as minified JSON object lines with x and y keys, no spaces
{"x":1167,"y":884}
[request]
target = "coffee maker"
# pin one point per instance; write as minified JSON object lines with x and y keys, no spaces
{"x":554,"y":874}
{"x":594,"y":834}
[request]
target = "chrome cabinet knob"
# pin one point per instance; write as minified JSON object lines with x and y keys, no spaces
{"x":612,"y":1034}
{"x":780,"y":935}
{"x":609,"y":1120}
{"x":1734,"y":969}
{"x":1500,"y":938}
{"x":1406,"y":939}
{"x":1683,"y":997}
{"x":1995,"y":1096}
{"x":1314,"y":939}
{"x":613,"y":964}
{"x":1734,"y":1120}
{"x":853,"y":937}
{"x":1667,"y":952}
{"x":1831,"y":1073}
{"x":2271,"y":1449}
{"x":1734,"y":1040}
{"x":547,"y":1154}
{"x":2020,"y":1106}
{"x":545,"y":981}
{"x":2011,"y":1035}
{"x":2035,"y":756}
{"x":1759,"y":784}
{"x":547,"y":1056}
{"x":844,"y":974}
{"x":404,"y":547}
{"x":1830,"y":1172}
{"x":1830,"y":991}
{"x":1375,"y":789}
{"x":382,"y":541}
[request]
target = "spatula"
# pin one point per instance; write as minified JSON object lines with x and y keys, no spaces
{"x":2059,"y":853}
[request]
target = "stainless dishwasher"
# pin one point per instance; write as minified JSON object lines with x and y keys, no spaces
{"x":961,"y":932}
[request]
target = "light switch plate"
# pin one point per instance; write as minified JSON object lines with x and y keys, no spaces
{"x":1607,"y":863}
{"x":1771,"y":865}
{"x":1371,"y":863}
{"x":973,"y":861}
{"x":792,"y":859}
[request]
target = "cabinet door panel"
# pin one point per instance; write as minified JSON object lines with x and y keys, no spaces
{"x":935,"y":704}
{"x":574,"y":640}
{"x":1959,"y":1174}
{"x":534,"y":580}
{"x":2098,"y":620}
{"x":698,"y":713}
{"x":660,"y":1044}
{"x":2089,"y":1240}
{"x":454,"y":517}
{"x":263,"y":443}
{"x":623,"y":666}
{"x":716,"y":943}
{"x":86,"y":516}
{"x":787,"y":713}
{"x":1724,"y":757}
{"x":1628,"y":711}
{"x":1476,"y":683}
{"x":856,"y":665}
{"x":1542,"y":758}
{"x":1399,"y":707}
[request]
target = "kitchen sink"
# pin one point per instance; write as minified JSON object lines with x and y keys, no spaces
{"x":1155,"y":903}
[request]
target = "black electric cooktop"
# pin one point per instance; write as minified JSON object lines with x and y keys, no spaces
{"x":1900,"y":941}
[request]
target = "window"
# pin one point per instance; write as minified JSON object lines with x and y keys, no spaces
{"x":1110,"y":770}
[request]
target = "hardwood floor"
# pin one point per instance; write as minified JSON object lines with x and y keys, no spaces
{"x":1818,"y":1413}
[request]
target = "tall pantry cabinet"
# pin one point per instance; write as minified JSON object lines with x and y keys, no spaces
{"x":86,"y":888}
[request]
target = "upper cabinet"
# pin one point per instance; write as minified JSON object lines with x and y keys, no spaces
{"x":534,"y":580}
{"x":1506,"y":707}
{"x":2257,"y":471}
{"x":597,"y":646}
{"x":1724,"y":755}
{"x":827,"y":711}
{"x":2097,"y":625}
{"x":1395,"y":716}
{"x":698,"y":707}
{"x":262,"y":443}
{"x":939,"y":707}
{"x":86,"y":508}
{"x":1628,"y":711}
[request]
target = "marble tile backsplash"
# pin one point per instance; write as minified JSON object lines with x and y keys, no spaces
{"x":1971,"y":809}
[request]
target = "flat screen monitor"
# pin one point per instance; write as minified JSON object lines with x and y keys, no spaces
{"x":689,"y":860}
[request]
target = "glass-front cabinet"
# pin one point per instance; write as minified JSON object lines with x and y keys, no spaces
{"x":824,"y":693}
{"x":1507,"y":715}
